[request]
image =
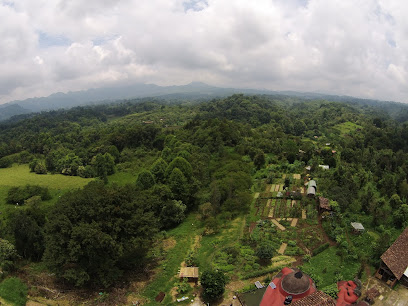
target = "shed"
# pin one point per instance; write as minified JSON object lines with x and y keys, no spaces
{"x":324,"y":167}
{"x":324,"y":205}
{"x":357,"y":227}
{"x":394,"y":262}
{"x":190,"y":272}
{"x":311,"y":188}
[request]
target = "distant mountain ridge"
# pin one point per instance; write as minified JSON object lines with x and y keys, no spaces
{"x":194,"y":90}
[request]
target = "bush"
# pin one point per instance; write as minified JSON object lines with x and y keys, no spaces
{"x":17,"y":195}
{"x":213,"y":283}
{"x":320,"y":249}
{"x":6,"y":162}
{"x":13,"y":290}
{"x":331,"y":290}
{"x":261,"y":272}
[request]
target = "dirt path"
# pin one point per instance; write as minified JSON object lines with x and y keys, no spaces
{"x":282,"y":248}
{"x":280,"y":226}
{"x":294,"y":222}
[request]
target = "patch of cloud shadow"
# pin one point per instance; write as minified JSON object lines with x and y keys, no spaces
{"x":46,"y":40}
{"x":195,"y":5}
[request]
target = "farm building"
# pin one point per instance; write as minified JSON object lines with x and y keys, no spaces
{"x":311,"y":188}
{"x":324,"y":205}
{"x":189,"y":272}
{"x":394,"y":262}
{"x":296,"y":288}
{"x":358,"y":228}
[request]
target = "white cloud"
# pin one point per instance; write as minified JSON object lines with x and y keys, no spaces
{"x":351,"y":47}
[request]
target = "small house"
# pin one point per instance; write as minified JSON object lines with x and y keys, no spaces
{"x":358,"y":228}
{"x":394,"y":262}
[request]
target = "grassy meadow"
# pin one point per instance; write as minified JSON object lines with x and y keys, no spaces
{"x":20,"y":175}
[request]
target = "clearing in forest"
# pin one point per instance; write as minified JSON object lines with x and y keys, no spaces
{"x":20,"y":175}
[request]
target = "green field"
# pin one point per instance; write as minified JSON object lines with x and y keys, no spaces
{"x":20,"y":175}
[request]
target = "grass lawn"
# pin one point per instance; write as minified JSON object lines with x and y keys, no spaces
{"x":20,"y":175}
{"x":13,"y":291}
{"x":328,"y":265}
{"x":122,"y":178}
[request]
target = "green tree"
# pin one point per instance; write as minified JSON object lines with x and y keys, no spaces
{"x":259,"y":160}
{"x":265,"y":251}
{"x":145,"y":180}
{"x":172,"y":213}
{"x":182,"y":164}
{"x":213,"y":283}
{"x":178,"y":185}
{"x":158,"y":169}
{"x":8,"y":254}
{"x":95,"y":234}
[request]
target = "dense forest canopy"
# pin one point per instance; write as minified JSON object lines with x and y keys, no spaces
{"x":201,"y":157}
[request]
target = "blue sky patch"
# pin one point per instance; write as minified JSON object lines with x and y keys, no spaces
{"x":47,"y":40}
{"x":195,"y":5}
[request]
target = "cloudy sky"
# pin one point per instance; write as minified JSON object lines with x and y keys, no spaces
{"x":351,"y":47}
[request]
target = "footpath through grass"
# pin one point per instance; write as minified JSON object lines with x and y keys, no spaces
{"x":166,"y":273}
{"x":13,"y":291}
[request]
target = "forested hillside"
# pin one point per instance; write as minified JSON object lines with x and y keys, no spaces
{"x":130,"y":178}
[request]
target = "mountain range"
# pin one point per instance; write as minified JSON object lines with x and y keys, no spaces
{"x":192,"y":91}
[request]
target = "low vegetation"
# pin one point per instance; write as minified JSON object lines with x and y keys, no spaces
{"x":101,"y":188}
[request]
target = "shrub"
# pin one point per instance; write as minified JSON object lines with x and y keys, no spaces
{"x":331,"y":290}
{"x":13,"y":290}
{"x":320,"y":249}
{"x":213,"y":283}
{"x":20,"y":194}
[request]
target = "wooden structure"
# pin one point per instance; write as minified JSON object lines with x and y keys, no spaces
{"x":324,"y":205}
{"x":358,"y":228}
{"x":394,"y":262}
{"x":189,"y":272}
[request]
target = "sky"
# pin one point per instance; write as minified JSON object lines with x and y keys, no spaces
{"x":346,"y":47}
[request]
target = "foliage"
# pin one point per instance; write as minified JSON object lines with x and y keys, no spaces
{"x":321,"y":248}
{"x":145,"y":180}
{"x":8,"y":255}
{"x":17,"y":195}
{"x":265,"y":250}
{"x":331,"y":290}
{"x":94,"y":234}
{"x":13,"y":290}
{"x":213,"y":283}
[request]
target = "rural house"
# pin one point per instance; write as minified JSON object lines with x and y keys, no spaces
{"x":394,"y":262}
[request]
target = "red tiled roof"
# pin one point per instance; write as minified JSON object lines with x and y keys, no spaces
{"x":396,"y":257}
{"x":317,"y":298}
